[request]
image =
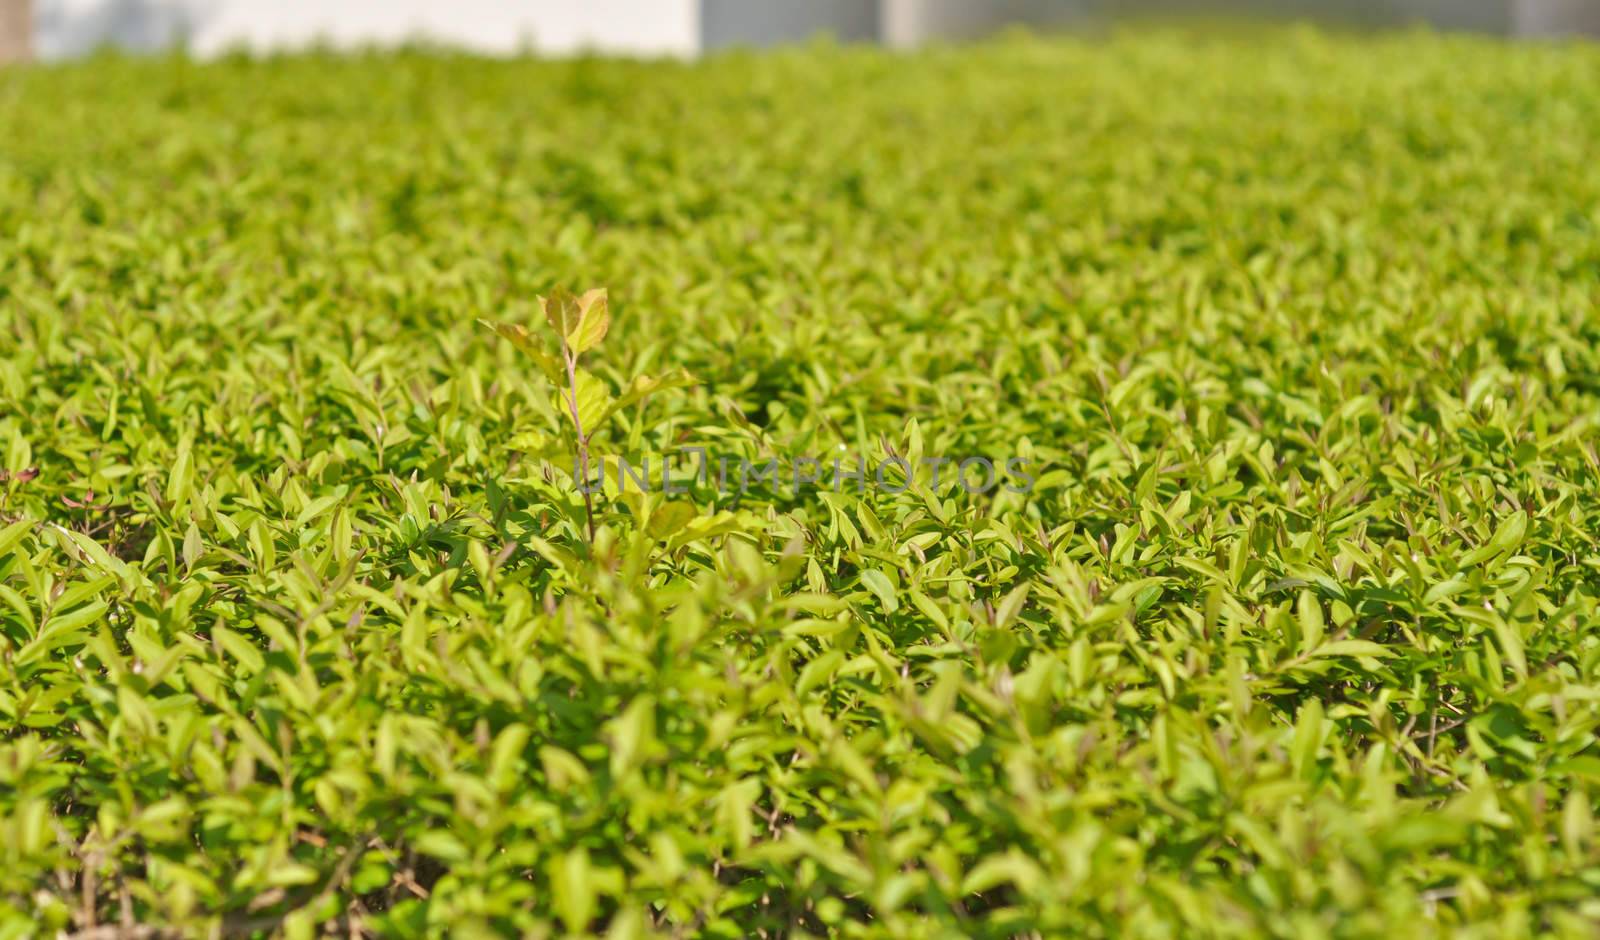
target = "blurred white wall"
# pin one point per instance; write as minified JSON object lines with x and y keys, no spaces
{"x":639,"y":27}
{"x":655,"y":26}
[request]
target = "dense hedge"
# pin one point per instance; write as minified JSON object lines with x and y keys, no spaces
{"x":1293,"y":634}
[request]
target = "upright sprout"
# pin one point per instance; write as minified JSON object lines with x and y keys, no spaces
{"x":579,"y":333}
{"x":580,"y":323}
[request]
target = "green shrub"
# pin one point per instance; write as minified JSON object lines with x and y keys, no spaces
{"x":1293,"y":632}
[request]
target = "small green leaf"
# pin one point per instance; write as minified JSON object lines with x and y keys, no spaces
{"x":561,"y":311}
{"x":593,"y":320}
{"x":1353,"y":648}
{"x":879,"y":584}
{"x":181,"y":476}
{"x":644,"y":386}
{"x":594,"y":403}
{"x":528,"y":344}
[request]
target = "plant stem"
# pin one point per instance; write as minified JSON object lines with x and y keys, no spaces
{"x":571,"y":359}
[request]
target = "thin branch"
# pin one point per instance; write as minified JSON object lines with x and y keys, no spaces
{"x":571,"y":359}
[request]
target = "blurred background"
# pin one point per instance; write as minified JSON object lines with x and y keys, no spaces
{"x":56,"y":29}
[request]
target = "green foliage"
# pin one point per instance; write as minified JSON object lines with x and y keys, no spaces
{"x":302,"y":626}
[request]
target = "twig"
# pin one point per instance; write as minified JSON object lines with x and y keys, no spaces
{"x":571,"y":359}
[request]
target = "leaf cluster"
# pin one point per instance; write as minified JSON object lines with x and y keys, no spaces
{"x":305,"y":627}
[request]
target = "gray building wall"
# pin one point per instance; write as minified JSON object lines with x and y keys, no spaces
{"x":765,"y":22}
{"x":909,"y":22}
{"x":1556,"y":17}
{"x":1492,"y":16}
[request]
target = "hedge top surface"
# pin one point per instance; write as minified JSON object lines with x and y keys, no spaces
{"x":1293,"y":634}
